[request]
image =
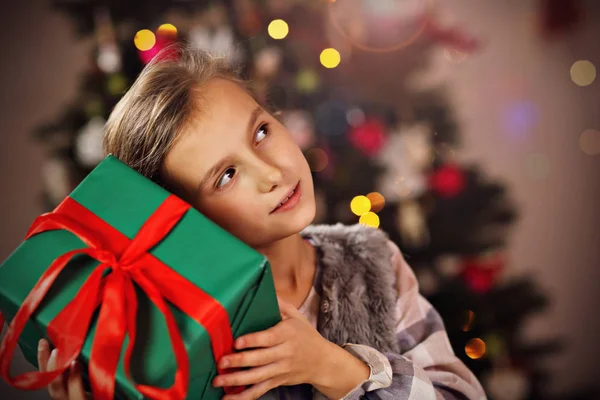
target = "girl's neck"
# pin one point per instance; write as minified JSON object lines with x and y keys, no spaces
{"x":292,"y":261}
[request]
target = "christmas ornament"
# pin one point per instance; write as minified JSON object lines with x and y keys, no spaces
{"x":505,"y":383}
{"x":480,"y":272}
{"x":109,"y":58}
{"x":369,"y":137}
{"x":447,"y":181}
{"x":405,"y":157}
{"x":377,"y":201}
{"x":88,"y":143}
{"x":412,"y":224}
{"x":475,"y":348}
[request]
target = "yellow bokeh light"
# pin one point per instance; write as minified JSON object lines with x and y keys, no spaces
{"x":589,"y":142}
{"x":583,"y":72}
{"x":167,"y":30}
{"x":330,"y":58}
{"x":369,"y":219}
{"x":475,"y":348}
{"x":307,"y":81}
{"x":360,"y":205}
{"x":278,"y":29}
{"x":377,"y":201}
{"x":144,"y":40}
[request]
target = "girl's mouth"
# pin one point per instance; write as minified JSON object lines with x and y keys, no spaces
{"x":290,"y":201}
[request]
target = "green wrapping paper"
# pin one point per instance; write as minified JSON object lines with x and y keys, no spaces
{"x":225,"y":268}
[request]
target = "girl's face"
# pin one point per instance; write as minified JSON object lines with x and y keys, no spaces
{"x":236,"y":164}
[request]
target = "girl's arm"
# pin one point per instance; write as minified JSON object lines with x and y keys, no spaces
{"x":427,"y":367}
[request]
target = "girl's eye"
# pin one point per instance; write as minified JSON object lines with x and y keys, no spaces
{"x":226,"y":177}
{"x":262,"y":133}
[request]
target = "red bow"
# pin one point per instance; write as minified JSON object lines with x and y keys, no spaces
{"x":114,"y":293}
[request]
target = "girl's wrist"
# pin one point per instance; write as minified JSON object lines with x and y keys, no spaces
{"x":339,"y":373}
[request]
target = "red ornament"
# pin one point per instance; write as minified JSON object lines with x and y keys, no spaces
{"x":369,"y":137}
{"x":447,"y":181}
{"x":481,"y":272}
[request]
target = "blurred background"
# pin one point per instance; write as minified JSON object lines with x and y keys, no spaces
{"x":467,"y":130}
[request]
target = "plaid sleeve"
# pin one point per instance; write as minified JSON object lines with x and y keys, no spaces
{"x":427,"y":367}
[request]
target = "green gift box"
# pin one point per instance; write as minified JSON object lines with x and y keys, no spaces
{"x":196,"y":249}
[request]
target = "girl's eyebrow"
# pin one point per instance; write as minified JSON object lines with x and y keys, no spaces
{"x":219,"y":165}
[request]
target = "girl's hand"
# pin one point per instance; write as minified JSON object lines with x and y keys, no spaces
{"x":289,"y":353}
{"x":61,"y":388}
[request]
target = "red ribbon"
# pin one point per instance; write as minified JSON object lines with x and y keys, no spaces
{"x":114,"y":293}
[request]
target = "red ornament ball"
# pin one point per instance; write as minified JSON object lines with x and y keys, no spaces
{"x":448,"y":181}
{"x":368,"y":137}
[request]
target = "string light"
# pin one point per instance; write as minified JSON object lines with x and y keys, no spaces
{"x":475,"y":348}
{"x":369,"y":219}
{"x":330,"y":58}
{"x":377,"y":201}
{"x":583,"y":72}
{"x":167,"y":30}
{"x":360,"y":205}
{"x":144,"y":40}
{"x":278,"y":29}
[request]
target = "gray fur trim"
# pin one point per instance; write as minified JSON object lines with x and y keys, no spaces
{"x":358,"y":303}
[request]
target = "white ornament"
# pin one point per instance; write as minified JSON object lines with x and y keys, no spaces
{"x":88,"y":144}
{"x":109,"y":58}
{"x":218,"y":43}
{"x":405,"y":157}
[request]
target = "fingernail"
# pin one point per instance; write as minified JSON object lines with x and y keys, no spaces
{"x":54,"y":353}
{"x":75,"y":368}
{"x":240,"y":343}
{"x":41,"y":344}
{"x":225,"y":363}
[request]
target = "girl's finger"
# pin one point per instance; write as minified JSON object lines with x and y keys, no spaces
{"x":248,"y":377}
{"x":75,"y":383}
{"x":56,"y":388}
{"x":43,"y":354}
{"x":253,"y":392}
{"x":252,"y":358}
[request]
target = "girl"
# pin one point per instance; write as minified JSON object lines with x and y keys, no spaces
{"x":354,"y":325}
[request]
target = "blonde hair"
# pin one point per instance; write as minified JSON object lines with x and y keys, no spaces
{"x":153,"y":113}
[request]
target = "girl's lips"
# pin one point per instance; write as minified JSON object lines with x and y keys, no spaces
{"x":291,"y":202}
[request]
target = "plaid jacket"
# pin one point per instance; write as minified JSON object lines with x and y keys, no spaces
{"x":425,"y":366}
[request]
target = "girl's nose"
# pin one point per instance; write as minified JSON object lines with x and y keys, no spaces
{"x":270,"y":178}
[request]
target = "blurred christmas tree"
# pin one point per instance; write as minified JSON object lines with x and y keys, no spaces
{"x":372,"y":140}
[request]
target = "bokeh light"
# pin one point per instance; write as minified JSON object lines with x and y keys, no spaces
{"x":583,"y":72}
{"x":537,"y":166}
{"x":167,"y":30}
{"x":369,"y":219}
{"x":377,"y":201}
{"x":470,"y":317}
{"x":355,"y":116}
{"x":360,"y":205}
{"x":589,"y":142}
{"x":317,"y":159}
{"x":330,"y":58}
{"x":278,"y":29}
{"x":475,"y":348}
{"x":520,"y":117}
{"x":307,"y":80}
{"x":144,"y":40}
